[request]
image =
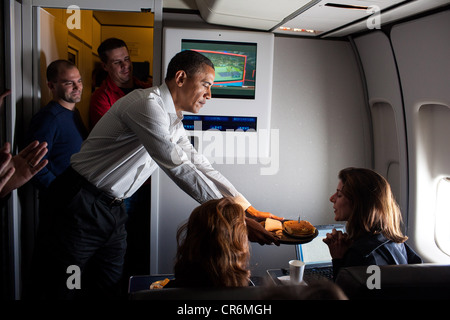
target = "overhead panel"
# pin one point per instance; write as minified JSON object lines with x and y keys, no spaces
{"x":394,"y":13}
{"x":253,"y":14}
{"x":328,"y":15}
{"x":130,"y":5}
{"x":316,"y":18}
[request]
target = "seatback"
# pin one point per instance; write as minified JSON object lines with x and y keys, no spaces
{"x":412,"y":281}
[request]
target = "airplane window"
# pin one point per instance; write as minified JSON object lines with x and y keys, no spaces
{"x":443,"y":215}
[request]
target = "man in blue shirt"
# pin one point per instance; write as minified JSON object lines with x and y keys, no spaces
{"x":60,"y":125}
{"x":59,"y":122}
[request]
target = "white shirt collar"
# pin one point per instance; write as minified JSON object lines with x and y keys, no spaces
{"x":167,"y":99}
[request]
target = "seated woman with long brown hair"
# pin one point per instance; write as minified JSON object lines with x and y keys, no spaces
{"x":374,"y":223}
{"x":213,"y":247}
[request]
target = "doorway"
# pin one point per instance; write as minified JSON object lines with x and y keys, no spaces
{"x":24,"y":21}
{"x":80,"y":45}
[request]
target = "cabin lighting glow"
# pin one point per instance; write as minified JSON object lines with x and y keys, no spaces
{"x":283,"y":28}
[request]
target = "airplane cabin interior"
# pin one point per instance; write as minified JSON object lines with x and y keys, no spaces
{"x":328,"y":85}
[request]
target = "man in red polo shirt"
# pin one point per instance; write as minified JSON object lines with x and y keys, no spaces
{"x":116,"y":62}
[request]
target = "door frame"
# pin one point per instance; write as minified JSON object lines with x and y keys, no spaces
{"x":22,"y":70}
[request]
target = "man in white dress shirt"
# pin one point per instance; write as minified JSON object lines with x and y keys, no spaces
{"x":141,"y":131}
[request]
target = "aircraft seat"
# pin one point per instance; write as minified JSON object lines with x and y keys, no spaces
{"x":412,"y":281}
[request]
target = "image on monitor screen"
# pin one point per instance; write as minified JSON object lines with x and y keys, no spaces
{"x":234,"y":64}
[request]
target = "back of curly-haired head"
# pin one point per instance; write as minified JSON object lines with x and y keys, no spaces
{"x":213,"y":247}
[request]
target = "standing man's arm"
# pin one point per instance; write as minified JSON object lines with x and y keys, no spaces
{"x":151,"y":123}
{"x":224,"y":186}
{"x":43,"y":128}
{"x":256,"y":232}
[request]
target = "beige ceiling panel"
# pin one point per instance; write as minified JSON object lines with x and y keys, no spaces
{"x":254,"y":14}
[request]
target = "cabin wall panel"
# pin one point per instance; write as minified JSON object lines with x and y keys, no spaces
{"x":386,"y":108}
{"x":319,"y":114}
{"x":407,"y":74}
{"x":422,"y":48}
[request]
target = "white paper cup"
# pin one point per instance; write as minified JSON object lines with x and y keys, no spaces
{"x":296,"y":268}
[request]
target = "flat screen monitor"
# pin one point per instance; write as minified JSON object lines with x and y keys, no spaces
{"x":234,"y":63}
{"x":242,"y":91}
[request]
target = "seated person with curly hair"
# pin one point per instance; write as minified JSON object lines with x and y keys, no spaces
{"x":213,"y":247}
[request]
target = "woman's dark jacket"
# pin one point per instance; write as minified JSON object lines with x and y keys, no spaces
{"x":375,"y":250}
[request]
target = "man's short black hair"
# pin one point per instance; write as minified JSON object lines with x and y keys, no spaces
{"x":107,"y":45}
{"x":54,"y":68}
{"x":189,"y":61}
